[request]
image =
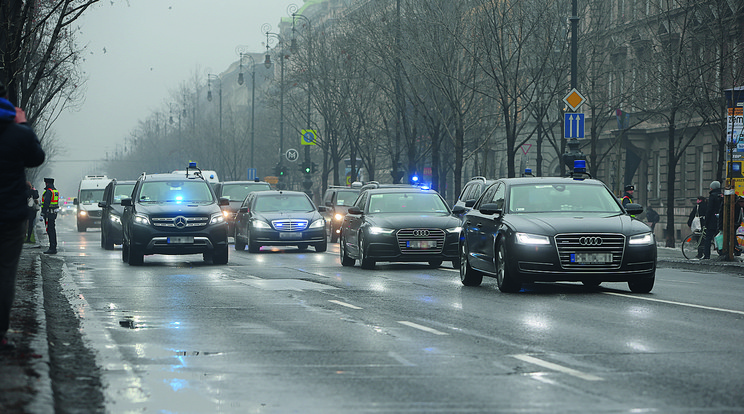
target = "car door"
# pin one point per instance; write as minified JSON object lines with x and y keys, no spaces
{"x":242,"y":218}
{"x":479,"y":228}
{"x":352,"y":223}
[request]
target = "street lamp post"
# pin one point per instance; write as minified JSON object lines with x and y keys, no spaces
{"x":267,"y":64}
{"x":253,"y":96}
{"x":307,"y":163}
{"x":209,"y":96}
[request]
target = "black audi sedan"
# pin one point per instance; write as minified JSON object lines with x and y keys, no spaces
{"x":279,"y":218}
{"x":524,"y":230}
{"x":404,"y":224}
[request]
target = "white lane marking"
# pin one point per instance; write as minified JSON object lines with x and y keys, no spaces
{"x":422,"y":327}
{"x":400,"y":359}
{"x":348,"y":305}
{"x":556,"y":367}
{"x":671,"y":302}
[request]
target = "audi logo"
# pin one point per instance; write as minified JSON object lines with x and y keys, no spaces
{"x":421,"y":233}
{"x":180,"y":222}
{"x":590,"y":241}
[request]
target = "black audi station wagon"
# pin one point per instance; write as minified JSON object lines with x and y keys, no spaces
{"x":173,"y":214}
{"x":552,"y":229}
{"x":399,"y":224}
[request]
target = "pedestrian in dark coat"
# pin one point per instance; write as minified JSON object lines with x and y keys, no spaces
{"x":19,"y":149}
{"x":33,"y":197}
{"x":698,"y":211}
{"x":712,"y":216}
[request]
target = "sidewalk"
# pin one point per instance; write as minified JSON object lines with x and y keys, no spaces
{"x":25,"y":383}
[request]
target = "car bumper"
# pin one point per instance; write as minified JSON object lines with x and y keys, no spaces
{"x":159,"y":242}
{"x":288,"y":238}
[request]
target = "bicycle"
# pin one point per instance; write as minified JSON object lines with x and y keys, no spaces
{"x":691,"y":244}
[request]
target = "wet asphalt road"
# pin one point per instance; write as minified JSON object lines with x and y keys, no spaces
{"x":289,"y":331}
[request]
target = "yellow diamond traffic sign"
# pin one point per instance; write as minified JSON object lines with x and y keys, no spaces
{"x":574,"y":99}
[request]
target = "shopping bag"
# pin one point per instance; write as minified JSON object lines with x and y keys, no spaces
{"x":695,"y":226}
{"x":719,"y":241}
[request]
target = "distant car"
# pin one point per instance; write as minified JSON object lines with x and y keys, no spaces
{"x":470,"y":193}
{"x":337,"y":200}
{"x":112,"y":210}
{"x":173,"y":214}
{"x":236,"y":192}
{"x":279,"y":218}
{"x":67,"y":206}
{"x":399,"y":224}
{"x":525,"y":230}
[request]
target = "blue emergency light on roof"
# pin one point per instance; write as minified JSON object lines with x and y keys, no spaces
{"x":580,"y":166}
{"x":192,"y":164}
{"x":528,"y":171}
{"x":414,"y":179}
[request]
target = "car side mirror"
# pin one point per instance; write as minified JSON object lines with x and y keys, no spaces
{"x":457,"y":210}
{"x":490,"y":208}
{"x":322,"y":209}
{"x":224,"y":201}
{"x":355,"y":210}
{"x":126,"y":201}
{"x":633,"y":209}
{"x":75,"y":201}
{"x":469,"y":203}
{"x":329,"y":204}
{"x":102,"y":204}
{"x":243,"y":210}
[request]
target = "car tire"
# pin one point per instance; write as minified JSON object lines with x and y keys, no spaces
{"x":219,"y":256}
{"x":124,"y":252}
{"x":302,"y":246}
{"x":253,"y":247}
{"x":321,"y":247}
{"x":136,"y":257}
{"x":642,"y":285}
{"x":345,"y":259}
{"x":239,"y":245}
{"x":434,"y":264}
{"x":364,"y":261}
{"x":468,"y":275}
{"x":106,"y":242}
{"x":334,"y":236}
{"x":505,"y":280}
{"x":81,"y":227}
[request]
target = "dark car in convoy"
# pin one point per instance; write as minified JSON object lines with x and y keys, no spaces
{"x":470,"y":193}
{"x":280,"y":218}
{"x":551,"y":229}
{"x":111,"y":211}
{"x":399,"y":224}
{"x":236,"y":192}
{"x":337,"y":200}
{"x":173,"y":214}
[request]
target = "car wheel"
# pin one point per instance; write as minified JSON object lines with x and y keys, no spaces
{"x":456,"y":263}
{"x":334,"y":235}
{"x":642,"y":285}
{"x":124,"y":252}
{"x":504,"y":278}
{"x":106,"y":242}
{"x":302,"y":246}
{"x":468,"y":275}
{"x":253,"y":247}
{"x":219,"y":256}
{"x":321,"y":247}
{"x":136,"y":257}
{"x":239,"y":245}
{"x":345,"y":259}
{"x":434,"y":264}
{"x":81,"y":227}
{"x":364,"y":262}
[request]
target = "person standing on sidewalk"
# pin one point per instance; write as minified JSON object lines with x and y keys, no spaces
{"x":712,"y":213}
{"x":33,"y":200}
{"x":19,"y":149}
{"x":49,"y":210}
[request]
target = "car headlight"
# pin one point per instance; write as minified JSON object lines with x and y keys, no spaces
{"x":217,"y":218}
{"x":226,"y":213}
{"x":83,"y":213}
{"x":338,"y":216}
{"x":317,"y":224}
{"x":642,"y":239}
{"x":526,"y":238}
{"x":260,"y":224}
{"x":380,"y":230}
{"x":141,"y":219}
{"x":455,"y":230}
{"x":114,"y":218}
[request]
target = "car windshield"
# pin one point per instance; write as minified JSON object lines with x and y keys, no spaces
{"x":237,"y":192}
{"x":122,"y":190}
{"x":176,"y":191}
{"x":346,"y":198}
{"x":554,"y":198}
{"x":408,"y":202}
{"x":283,"y":202}
{"x":91,"y":196}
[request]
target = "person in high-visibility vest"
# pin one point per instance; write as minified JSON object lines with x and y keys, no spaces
{"x":49,"y":210}
{"x":628,"y":196}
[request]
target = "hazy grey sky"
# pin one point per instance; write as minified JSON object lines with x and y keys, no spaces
{"x":138,"y":51}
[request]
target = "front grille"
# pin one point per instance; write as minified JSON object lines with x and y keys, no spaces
{"x":289,"y":225}
{"x":94,"y":213}
{"x":569,"y":244}
{"x":406,"y":236}
{"x":180,"y":222}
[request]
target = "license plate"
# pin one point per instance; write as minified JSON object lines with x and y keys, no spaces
{"x":180,"y":240}
{"x":290,"y":235}
{"x":421,"y":244}
{"x":591,"y":258}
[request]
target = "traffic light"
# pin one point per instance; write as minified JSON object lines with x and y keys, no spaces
{"x":307,"y":167}
{"x":313,"y":167}
{"x":280,"y":170}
